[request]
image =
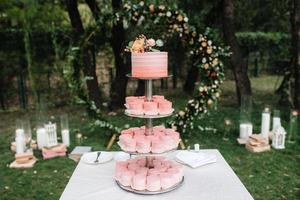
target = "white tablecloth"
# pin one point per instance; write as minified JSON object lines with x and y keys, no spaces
{"x":213,"y":181}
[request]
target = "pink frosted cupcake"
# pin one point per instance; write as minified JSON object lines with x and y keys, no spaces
{"x":127,"y":143}
{"x":121,"y":166}
{"x":139,"y":182}
{"x":133,"y":166}
{"x":153,"y":183}
{"x":139,"y":132}
{"x":134,"y":129}
{"x":143,"y":145}
{"x":126,"y":178}
{"x":159,"y":128}
{"x":136,"y":107}
{"x":158,"y":98}
{"x":127,"y":131}
{"x":167,"y":180}
{"x":165,"y":107}
{"x":150,"y":108}
{"x":157,"y":146}
{"x":142,"y":170}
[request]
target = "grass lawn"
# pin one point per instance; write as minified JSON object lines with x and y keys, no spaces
{"x":271,"y":175}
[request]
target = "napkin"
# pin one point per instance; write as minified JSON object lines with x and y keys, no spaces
{"x":195,"y":159}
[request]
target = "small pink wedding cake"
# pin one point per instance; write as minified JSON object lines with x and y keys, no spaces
{"x":148,"y":173}
{"x":146,"y":60}
{"x":135,"y":140}
{"x":149,"y":64}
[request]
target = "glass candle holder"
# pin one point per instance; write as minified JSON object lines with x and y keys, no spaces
{"x":246,"y":109}
{"x":276,"y":120}
{"x":293,"y":126}
{"x":65,"y":133}
{"x":227,"y":128}
{"x":27,"y":133}
{"x":265,"y":123}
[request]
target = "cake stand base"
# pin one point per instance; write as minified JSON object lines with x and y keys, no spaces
{"x":146,"y":192}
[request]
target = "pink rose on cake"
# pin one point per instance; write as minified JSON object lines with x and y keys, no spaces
{"x":141,"y":44}
{"x":151,"y":42}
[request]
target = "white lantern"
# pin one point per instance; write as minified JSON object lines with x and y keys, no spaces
{"x":51,"y":135}
{"x":278,"y":139}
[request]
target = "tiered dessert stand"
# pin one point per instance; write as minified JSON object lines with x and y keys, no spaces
{"x":149,"y":131}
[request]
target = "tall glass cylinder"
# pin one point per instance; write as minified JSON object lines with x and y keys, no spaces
{"x":293,"y":126}
{"x":246,"y":109}
{"x":276,"y":120}
{"x":65,"y":133}
{"x":27,"y":133}
{"x":265,"y":123}
{"x":20,"y":137}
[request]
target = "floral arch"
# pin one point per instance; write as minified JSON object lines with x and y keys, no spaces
{"x":203,"y":53}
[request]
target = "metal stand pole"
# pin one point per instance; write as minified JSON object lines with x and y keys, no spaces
{"x":148,"y":90}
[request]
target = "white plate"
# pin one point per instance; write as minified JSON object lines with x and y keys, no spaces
{"x":121,"y":156}
{"x":89,"y":158}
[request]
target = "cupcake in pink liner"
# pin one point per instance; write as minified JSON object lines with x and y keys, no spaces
{"x":142,"y":161}
{"x":130,"y":99}
{"x":126,"y":178}
{"x":160,"y":158}
{"x":159,"y":128}
{"x":153,"y":183}
{"x":136,"y":107}
{"x":165,"y":107}
{"x":167,"y":141}
{"x":139,"y":182}
{"x":121,"y":166}
{"x":143,"y":145}
{"x":176,"y":173}
{"x":157,"y":146}
{"x":127,"y":131}
{"x":166,"y":180}
{"x":134,"y":129}
{"x":157,"y":163}
{"x":139,"y":132}
{"x":150,"y":108}
{"x":153,"y":171}
{"x":158,"y":98}
{"x":127,"y":143}
{"x":142,"y":170}
{"x":133,"y":166}
{"x":143,"y":127}
{"x":159,"y":133}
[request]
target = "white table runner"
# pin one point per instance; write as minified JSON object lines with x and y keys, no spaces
{"x":213,"y":181}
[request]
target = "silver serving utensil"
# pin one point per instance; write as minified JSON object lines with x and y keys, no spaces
{"x":97,"y":158}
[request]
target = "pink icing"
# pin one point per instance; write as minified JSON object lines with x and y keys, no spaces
{"x":149,"y":64}
{"x":139,"y":182}
{"x":153,"y":183}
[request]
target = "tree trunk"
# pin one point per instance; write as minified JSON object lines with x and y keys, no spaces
{"x":119,"y":84}
{"x":239,"y":67}
{"x":140,"y":90}
{"x":192,"y":76}
{"x":295,"y":22}
{"x":87,"y":53}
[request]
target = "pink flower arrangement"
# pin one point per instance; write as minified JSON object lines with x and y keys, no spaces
{"x":141,"y":44}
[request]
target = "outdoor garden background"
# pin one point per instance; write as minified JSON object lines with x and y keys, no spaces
{"x":67,"y":57}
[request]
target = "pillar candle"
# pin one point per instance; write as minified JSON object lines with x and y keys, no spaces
{"x":65,"y":137}
{"x":243,"y":131}
{"x":265,"y":124}
{"x":20,"y":141}
{"x":41,"y":137}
